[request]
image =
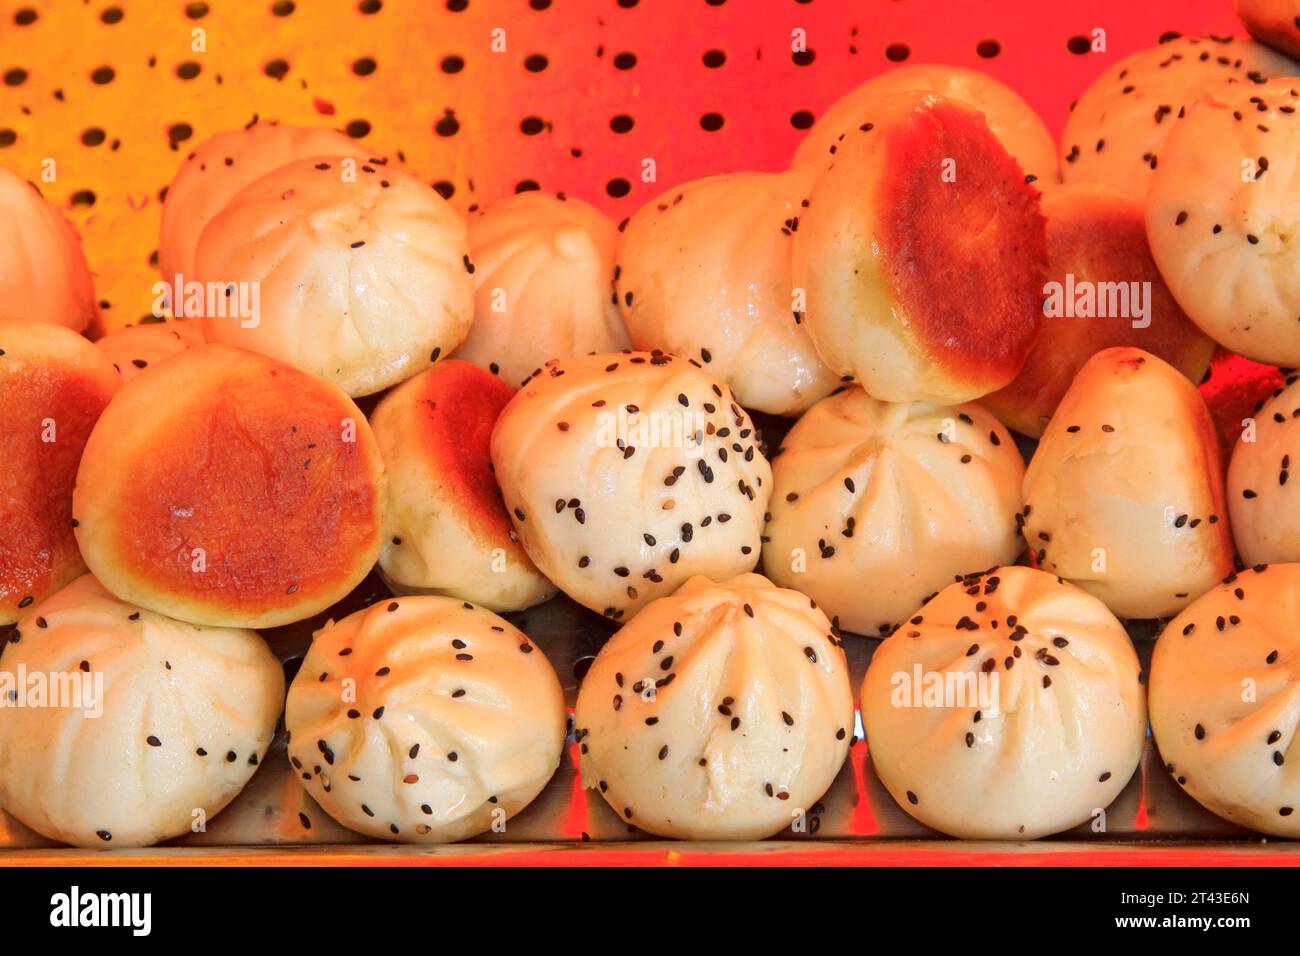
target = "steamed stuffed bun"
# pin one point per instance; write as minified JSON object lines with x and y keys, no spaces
{"x":543,"y":277}
{"x":226,"y":488}
{"x":43,"y":273}
{"x":425,"y":720}
{"x":1010,"y":707}
{"x":1275,"y":22}
{"x":704,"y":273}
{"x":923,"y":285}
{"x":1265,"y":519}
{"x":362,"y":273}
{"x":626,"y":474}
{"x":1096,"y":242}
{"x":1224,"y":700}
{"x":137,"y":347}
{"x":1124,"y":495}
{"x":1116,"y":131}
{"x":1221,"y":216}
{"x":220,"y":167}
{"x":721,"y":712}
{"x":445,"y":528}
{"x":166,"y":723}
{"x":53,"y":387}
{"x":1013,"y":121}
{"x":875,"y":505}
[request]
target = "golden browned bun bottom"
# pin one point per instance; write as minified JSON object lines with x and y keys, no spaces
{"x":1275,"y":22}
{"x":228,"y":489}
{"x":53,"y":387}
{"x":1096,"y":247}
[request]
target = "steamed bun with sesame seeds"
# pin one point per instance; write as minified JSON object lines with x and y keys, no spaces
{"x":722,"y":712}
{"x":53,"y":387}
{"x":704,"y":273}
{"x":1013,"y":121}
{"x":1221,"y":217}
{"x":1103,"y":290}
{"x":445,"y":528}
{"x":922,"y":255}
{"x":139,"y":727}
{"x":628,"y":473}
{"x":425,"y":720}
{"x":350,"y":270}
{"x":43,"y":272}
{"x":1225,"y":699}
{"x":137,"y":347}
{"x":875,"y":505}
{"x":1275,"y":22}
{"x":1116,"y":130}
{"x":224,"y":164}
{"x":1124,"y":496}
{"x":1261,"y":502}
{"x":1010,"y":707}
{"x":225,"y":488}
{"x":543,"y":277}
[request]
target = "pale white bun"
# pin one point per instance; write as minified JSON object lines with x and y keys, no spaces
{"x":721,"y":712}
{"x":626,"y":474}
{"x":1124,"y":495}
{"x":1224,"y":704}
{"x":704,"y":273}
{"x":1013,"y":121}
{"x":1010,"y":707}
{"x":137,"y":347}
{"x":363,"y":277}
{"x":1265,"y":518}
{"x":922,"y":255}
{"x":446,"y":530}
{"x":424,"y":720}
{"x":875,"y":506}
{"x":1116,"y":130}
{"x":543,"y":278}
{"x":43,"y":272}
{"x":1221,"y":214}
{"x":53,"y":387}
{"x":221,"y":166}
{"x":158,"y":724}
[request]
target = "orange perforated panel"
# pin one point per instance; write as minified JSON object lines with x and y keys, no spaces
{"x":484,"y":97}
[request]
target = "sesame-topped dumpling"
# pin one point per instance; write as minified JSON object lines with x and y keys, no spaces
{"x":446,"y":530}
{"x":1103,"y":290}
{"x":721,"y":712}
{"x":1009,"y":707}
{"x":1275,"y":22}
{"x":1221,"y":216}
{"x":704,"y":273}
{"x":225,"y":488}
{"x":1225,"y":699}
{"x":1116,"y":130}
{"x":353,"y":271}
{"x":543,"y":277}
{"x":425,"y":720}
{"x":922,"y":254}
{"x":53,"y":387}
{"x":627,"y":474}
{"x":224,"y":164}
{"x":1261,"y":496}
{"x":137,"y":347}
{"x":43,"y":272}
{"x":155,"y":727}
{"x":1013,"y":121}
{"x":1124,"y":495}
{"x":875,"y":506}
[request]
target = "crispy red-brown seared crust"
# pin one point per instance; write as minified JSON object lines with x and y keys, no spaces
{"x":463,"y":402}
{"x":53,"y":384}
{"x":1098,"y":234}
{"x":1275,"y":22}
{"x":247,"y":459}
{"x":968,"y":257}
